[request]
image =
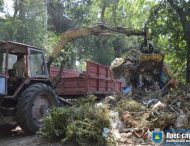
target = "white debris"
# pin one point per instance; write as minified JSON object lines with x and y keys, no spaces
{"x":182,"y":120}
{"x":117,"y":62}
{"x":159,"y":106}
{"x":116,"y":135}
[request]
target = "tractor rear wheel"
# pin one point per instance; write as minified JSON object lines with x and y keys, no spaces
{"x":35,"y":102}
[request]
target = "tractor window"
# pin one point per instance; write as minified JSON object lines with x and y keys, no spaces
{"x":37,"y":63}
{"x":11,"y":60}
{"x":2,"y":62}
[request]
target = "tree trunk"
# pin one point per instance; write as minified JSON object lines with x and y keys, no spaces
{"x":103,"y":12}
{"x":55,"y":10}
{"x":186,"y":28}
{"x":117,"y":44}
{"x":22,"y":9}
{"x":15,"y":8}
{"x":114,"y":12}
{"x":46,"y":14}
{"x":188,"y":60}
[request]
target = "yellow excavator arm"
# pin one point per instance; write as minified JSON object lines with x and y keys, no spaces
{"x":71,"y":35}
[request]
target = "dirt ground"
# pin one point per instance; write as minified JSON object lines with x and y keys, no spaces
{"x":18,"y":138}
{"x":24,"y":140}
{"x":35,"y":140}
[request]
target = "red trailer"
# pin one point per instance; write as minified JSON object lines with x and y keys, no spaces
{"x":95,"y":80}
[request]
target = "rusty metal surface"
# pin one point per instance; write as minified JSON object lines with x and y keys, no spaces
{"x":96,"y":80}
{"x":11,"y":43}
{"x":151,"y":57}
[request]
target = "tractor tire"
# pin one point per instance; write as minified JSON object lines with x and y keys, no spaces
{"x":33,"y":104}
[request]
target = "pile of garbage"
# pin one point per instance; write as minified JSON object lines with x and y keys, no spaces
{"x":133,"y":122}
{"x":118,"y":120}
{"x":141,"y":72}
{"x":150,"y":100}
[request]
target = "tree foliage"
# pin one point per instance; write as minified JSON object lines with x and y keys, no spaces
{"x":1,"y":5}
{"x":40,"y":23}
{"x":170,"y":29}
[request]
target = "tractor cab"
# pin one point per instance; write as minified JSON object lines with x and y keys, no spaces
{"x":26,"y":92}
{"x":32,"y":66}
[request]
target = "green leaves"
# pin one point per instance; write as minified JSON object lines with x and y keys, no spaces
{"x":168,"y":33}
{"x":1,"y":5}
{"x":64,"y":15}
{"x":80,"y":124}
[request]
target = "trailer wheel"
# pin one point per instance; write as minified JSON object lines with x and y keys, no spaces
{"x":34,"y":103}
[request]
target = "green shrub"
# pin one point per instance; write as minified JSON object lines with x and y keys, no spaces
{"x":82,"y":124}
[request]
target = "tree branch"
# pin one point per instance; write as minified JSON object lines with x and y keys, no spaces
{"x":15,"y":9}
{"x":71,"y":35}
{"x":154,"y":12}
{"x":179,"y":11}
{"x":103,"y":12}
